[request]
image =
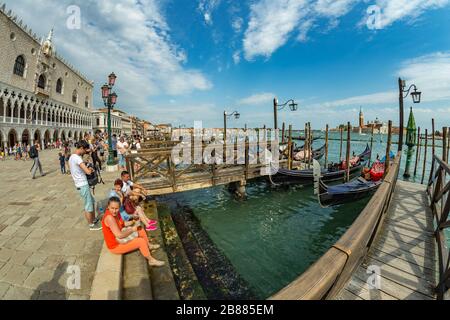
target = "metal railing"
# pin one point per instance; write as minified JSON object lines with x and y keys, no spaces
{"x":438,"y":190}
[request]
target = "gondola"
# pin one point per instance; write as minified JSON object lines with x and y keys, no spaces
{"x":317,"y":154}
{"x":302,"y":138}
{"x":348,"y":192}
{"x":332,"y":173}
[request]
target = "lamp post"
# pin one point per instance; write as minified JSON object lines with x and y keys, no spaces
{"x":109,"y":99}
{"x":403,"y":94}
{"x":410,"y":141}
{"x":278,"y":107}
{"x":236,"y":115}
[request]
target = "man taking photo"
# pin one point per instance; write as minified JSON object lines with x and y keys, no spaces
{"x":79,"y":170}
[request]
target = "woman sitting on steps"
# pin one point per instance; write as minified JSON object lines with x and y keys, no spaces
{"x":121,"y":240}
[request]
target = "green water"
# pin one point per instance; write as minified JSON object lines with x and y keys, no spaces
{"x":273,"y":236}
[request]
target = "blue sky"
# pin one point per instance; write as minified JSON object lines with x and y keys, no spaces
{"x":181,"y":61}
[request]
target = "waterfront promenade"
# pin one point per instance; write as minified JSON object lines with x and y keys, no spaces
{"x":43,"y":231}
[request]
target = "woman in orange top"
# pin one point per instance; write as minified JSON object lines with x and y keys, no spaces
{"x":113,"y":225}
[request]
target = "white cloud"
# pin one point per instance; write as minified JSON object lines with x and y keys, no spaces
{"x":304,"y":28}
{"x":237,"y":24}
{"x":236,"y":57}
{"x":272,"y":22}
{"x":206,"y":8}
{"x":132,"y":39}
{"x":334,"y":8}
{"x":430,"y":73}
{"x":390,"y":11}
{"x":257,"y":99}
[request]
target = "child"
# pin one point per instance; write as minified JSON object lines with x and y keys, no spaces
{"x":62,"y":163}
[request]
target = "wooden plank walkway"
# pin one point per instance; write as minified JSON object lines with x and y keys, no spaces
{"x":404,"y":251}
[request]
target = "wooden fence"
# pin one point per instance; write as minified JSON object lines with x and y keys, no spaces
{"x":325,"y":278}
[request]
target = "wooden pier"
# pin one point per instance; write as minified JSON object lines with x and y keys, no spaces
{"x":396,"y":249}
{"x":404,"y":253}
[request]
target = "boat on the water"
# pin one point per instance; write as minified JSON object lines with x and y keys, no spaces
{"x":334,"y":172}
{"x":362,"y":187}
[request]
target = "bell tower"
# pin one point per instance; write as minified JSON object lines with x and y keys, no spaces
{"x":361,"y":118}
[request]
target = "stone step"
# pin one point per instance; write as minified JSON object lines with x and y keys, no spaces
{"x":136,"y":284}
{"x":219,"y":279}
{"x":187,"y":282}
{"x":162,"y":280}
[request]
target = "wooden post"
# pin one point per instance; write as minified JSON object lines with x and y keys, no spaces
{"x":283,"y":132}
{"x":444,"y":144}
{"x":342,"y":141}
{"x":387,"y":164}
{"x":433,"y":139}
{"x":448,"y":146}
{"x":306,"y":144}
{"x":418,"y":152}
{"x":425,"y":156}
{"x":310,"y":145}
{"x":247,"y":156}
{"x":326,"y":147}
{"x":290,"y":155}
{"x":371,"y":146}
{"x":347,"y":175}
{"x":265,"y":133}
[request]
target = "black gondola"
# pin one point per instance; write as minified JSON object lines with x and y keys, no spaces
{"x":351,"y":191}
{"x":348,"y":192}
{"x":333,"y":173}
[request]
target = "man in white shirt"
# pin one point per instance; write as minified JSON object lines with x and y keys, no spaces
{"x":128,"y":185}
{"x":79,"y":170}
{"x":122,"y":148}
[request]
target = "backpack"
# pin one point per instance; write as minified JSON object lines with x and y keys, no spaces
{"x":94,"y":178}
{"x":33,"y":152}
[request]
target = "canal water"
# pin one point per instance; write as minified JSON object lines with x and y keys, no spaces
{"x":274,"y":235}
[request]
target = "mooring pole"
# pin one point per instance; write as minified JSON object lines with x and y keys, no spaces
{"x":371,"y":146}
{"x":326,"y":147}
{"x":283,"y":132}
{"x":387,"y":164}
{"x":342,"y":141}
{"x":310,"y":145}
{"x":290,"y":148}
{"x":425,"y":156}
{"x":418,"y":151}
{"x":444,"y":144}
{"x":433,"y":139}
{"x":306,"y":146}
{"x":347,"y":176}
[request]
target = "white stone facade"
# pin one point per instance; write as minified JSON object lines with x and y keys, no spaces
{"x":100,"y":122}
{"x":41,"y":96}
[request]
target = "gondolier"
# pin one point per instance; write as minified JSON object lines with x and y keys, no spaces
{"x":34,"y":154}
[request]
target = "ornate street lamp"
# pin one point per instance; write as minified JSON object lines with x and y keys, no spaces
{"x":278,"y":107}
{"x":403,"y":94}
{"x":236,"y":115}
{"x":110,"y":100}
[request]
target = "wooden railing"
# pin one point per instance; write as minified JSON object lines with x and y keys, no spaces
{"x":154,"y":167}
{"x":438,"y":190}
{"x":325,"y":278}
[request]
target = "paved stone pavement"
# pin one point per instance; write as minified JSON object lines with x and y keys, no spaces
{"x":43,"y":232}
